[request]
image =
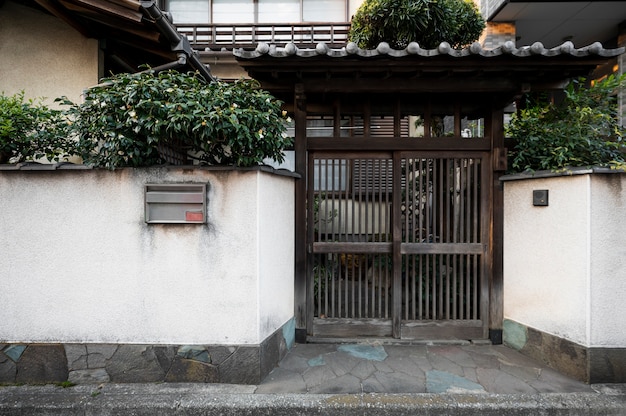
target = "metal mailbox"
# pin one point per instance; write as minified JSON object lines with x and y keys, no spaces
{"x":183,"y":203}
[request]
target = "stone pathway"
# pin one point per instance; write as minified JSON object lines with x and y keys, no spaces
{"x":372,"y":368}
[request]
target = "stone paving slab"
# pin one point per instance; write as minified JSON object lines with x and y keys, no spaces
{"x":440,"y":369}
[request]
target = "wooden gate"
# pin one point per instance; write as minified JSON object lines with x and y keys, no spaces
{"x":398,"y":244}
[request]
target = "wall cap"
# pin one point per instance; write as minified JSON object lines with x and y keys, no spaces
{"x":554,"y":174}
{"x":65,"y":166}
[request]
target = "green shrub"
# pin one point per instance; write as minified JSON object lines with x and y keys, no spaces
{"x":129,"y":118}
{"x":428,"y":22}
{"x":30,"y":130}
{"x":582,"y":130}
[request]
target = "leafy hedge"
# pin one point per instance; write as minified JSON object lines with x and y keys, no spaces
{"x":133,"y":120}
{"x":428,"y":22}
{"x":31,"y":130}
{"x":582,"y":130}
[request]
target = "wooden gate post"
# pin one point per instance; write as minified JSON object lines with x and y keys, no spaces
{"x":301,"y":272}
{"x":496,"y":303}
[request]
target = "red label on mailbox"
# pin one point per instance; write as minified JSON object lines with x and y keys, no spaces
{"x":194,"y":216}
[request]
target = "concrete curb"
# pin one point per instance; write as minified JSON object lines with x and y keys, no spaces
{"x":197,"y":399}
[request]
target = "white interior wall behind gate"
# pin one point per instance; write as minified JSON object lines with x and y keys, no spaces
{"x":79,"y":263}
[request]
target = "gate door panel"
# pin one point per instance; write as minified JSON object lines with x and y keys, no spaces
{"x":350,"y":235}
{"x":444,"y":238}
{"x":424,"y":210}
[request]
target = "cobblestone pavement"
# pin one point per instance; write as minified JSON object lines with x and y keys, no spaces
{"x":376,"y":368}
{"x":355,"y":379}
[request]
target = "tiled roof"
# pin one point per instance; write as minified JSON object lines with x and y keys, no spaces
{"x":413,"y":49}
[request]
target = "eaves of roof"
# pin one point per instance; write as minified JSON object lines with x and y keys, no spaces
{"x":444,"y":49}
{"x":505,"y":71}
{"x":134,"y":32}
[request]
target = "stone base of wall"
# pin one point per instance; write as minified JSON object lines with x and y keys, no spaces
{"x":127,"y":363}
{"x":591,"y":365}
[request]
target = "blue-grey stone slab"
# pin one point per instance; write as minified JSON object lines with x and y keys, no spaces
{"x":289,"y":333}
{"x":368,"y":352}
{"x":14,"y":352}
{"x":193,"y":352}
{"x":444,"y":382}
{"x":316,"y":362}
{"x":514,"y":334}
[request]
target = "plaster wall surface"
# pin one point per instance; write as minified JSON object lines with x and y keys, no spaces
{"x":40,"y":51}
{"x":546,"y":256}
{"x":608,"y":260}
{"x":80,"y":264}
{"x":276,"y":296}
{"x":565,"y":264}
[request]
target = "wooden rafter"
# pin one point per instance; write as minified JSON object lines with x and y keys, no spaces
{"x":57,"y":10}
{"x":107,"y":8}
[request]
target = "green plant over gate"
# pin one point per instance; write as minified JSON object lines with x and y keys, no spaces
{"x":581,"y":130}
{"x":428,"y":22}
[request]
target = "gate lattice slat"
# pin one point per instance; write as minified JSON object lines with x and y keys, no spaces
{"x":440,"y":274}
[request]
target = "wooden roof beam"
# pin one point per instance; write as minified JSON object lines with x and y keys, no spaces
{"x":56,"y":10}
{"x":129,"y":4}
{"x":110,"y":8}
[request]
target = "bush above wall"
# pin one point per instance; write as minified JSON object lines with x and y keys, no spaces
{"x":428,"y":22}
{"x":129,"y":119}
{"x":31,"y":130}
{"x":582,"y":130}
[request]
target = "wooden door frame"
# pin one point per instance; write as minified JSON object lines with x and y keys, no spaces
{"x":304,"y":264}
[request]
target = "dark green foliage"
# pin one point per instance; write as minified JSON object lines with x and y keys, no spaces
{"x":582,"y":130}
{"x":428,"y":22}
{"x":30,"y":130}
{"x":129,"y":118}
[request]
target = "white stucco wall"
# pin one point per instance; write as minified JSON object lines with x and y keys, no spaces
{"x":565,"y":264}
{"x":276,"y":298}
{"x":608,"y":261}
{"x":44,"y":56}
{"x":79,"y":263}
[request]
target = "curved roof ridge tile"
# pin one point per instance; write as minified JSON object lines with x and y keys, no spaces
{"x":567,"y":47}
{"x":475,"y":48}
{"x":414,"y":49}
{"x":352,"y":48}
{"x":555,"y":51}
{"x":537,"y":48}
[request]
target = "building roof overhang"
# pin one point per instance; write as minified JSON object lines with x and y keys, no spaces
{"x":132,"y":32}
{"x":553,"y":22}
{"x":497,"y":75}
